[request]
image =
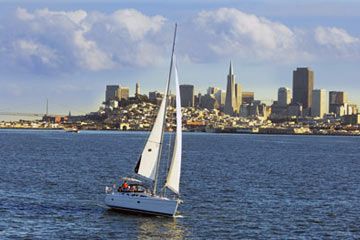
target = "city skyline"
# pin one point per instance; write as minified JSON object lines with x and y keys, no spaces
{"x":73,"y":74}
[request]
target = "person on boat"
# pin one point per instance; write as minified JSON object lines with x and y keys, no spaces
{"x":125,"y":186}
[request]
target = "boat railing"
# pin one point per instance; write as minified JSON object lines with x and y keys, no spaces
{"x":109,"y":190}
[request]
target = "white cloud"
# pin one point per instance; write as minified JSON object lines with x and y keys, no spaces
{"x":69,"y":40}
{"x":337,"y":42}
{"x":136,"y":23}
{"x":23,"y":14}
{"x":333,"y":36}
{"x":89,"y":55}
{"x":234,"y":32}
{"x":29,"y":49}
{"x":43,"y":40}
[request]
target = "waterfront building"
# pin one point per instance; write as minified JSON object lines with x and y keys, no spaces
{"x":284,"y":96}
{"x":277,"y":111}
{"x":352,"y":119}
{"x":303,"y":84}
{"x":244,"y":110}
{"x":345,"y":109}
{"x":247,"y":97}
{"x":111,"y":92}
{"x":255,"y":109}
{"x":336,"y":100}
{"x":295,"y":110}
{"x":187,"y":95}
{"x":319,"y":103}
{"x":351,"y":109}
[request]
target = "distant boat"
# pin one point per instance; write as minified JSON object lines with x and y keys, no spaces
{"x":72,"y":130}
{"x":135,"y":195}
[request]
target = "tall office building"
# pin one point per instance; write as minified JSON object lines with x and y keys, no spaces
{"x":220,"y":97}
{"x":123,"y":93}
{"x":209,"y":102}
{"x":230,"y":101}
{"x":284,"y":96}
{"x":336,"y":99}
{"x":212,"y":90}
{"x":111,"y":92}
{"x":187,"y":95}
{"x":115,"y":92}
{"x":319,"y":103}
{"x":303,"y":84}
{"x":238,"y":95}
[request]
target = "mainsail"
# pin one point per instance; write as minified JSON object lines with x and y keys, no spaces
{"x":147,"y":163}
{"x":173,"y":178}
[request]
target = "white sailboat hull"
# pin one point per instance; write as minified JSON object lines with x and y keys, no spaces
{"x":139,"y":202}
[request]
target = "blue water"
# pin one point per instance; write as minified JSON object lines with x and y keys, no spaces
{"x":233,"y":186}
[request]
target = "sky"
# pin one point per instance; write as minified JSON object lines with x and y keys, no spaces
{"x":68,"y":51}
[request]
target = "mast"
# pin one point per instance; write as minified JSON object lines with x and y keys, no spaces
{"x":164,"y":117}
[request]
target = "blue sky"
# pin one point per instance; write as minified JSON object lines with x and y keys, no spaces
{"x":68,"y":51}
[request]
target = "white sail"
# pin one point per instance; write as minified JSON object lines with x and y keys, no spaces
{"x":146,"y":165}
{"x":173,"y":178}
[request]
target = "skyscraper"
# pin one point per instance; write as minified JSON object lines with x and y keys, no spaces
{"x":336,"y":99}
{"x":187,"y":95}
{"x":303,"y":84}
{"x":209,"y":102}
{"x":115,"y":92}
{"x":212,"y":90}
{"x":230,"y":101}
{"x":111,"y":92}
{"x":238,"y":95}
{"x":284,"y":96}
{"x":319,"y":103}
{"x":220,"y":97}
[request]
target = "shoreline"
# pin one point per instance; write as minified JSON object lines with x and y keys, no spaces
{"x":224,"y":132}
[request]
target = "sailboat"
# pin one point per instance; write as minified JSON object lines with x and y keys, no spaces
{"x":135,"y":195}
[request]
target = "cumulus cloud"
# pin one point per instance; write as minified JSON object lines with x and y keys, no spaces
{"x":71,"y":40}
{"x":337,"y":41}
{"x":63,"y":41}
{"x":333,"y":36}
{"x":28,"y":50}
{"x":232,"y":31}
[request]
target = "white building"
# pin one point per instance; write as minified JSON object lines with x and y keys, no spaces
{"x":319,"y":105}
